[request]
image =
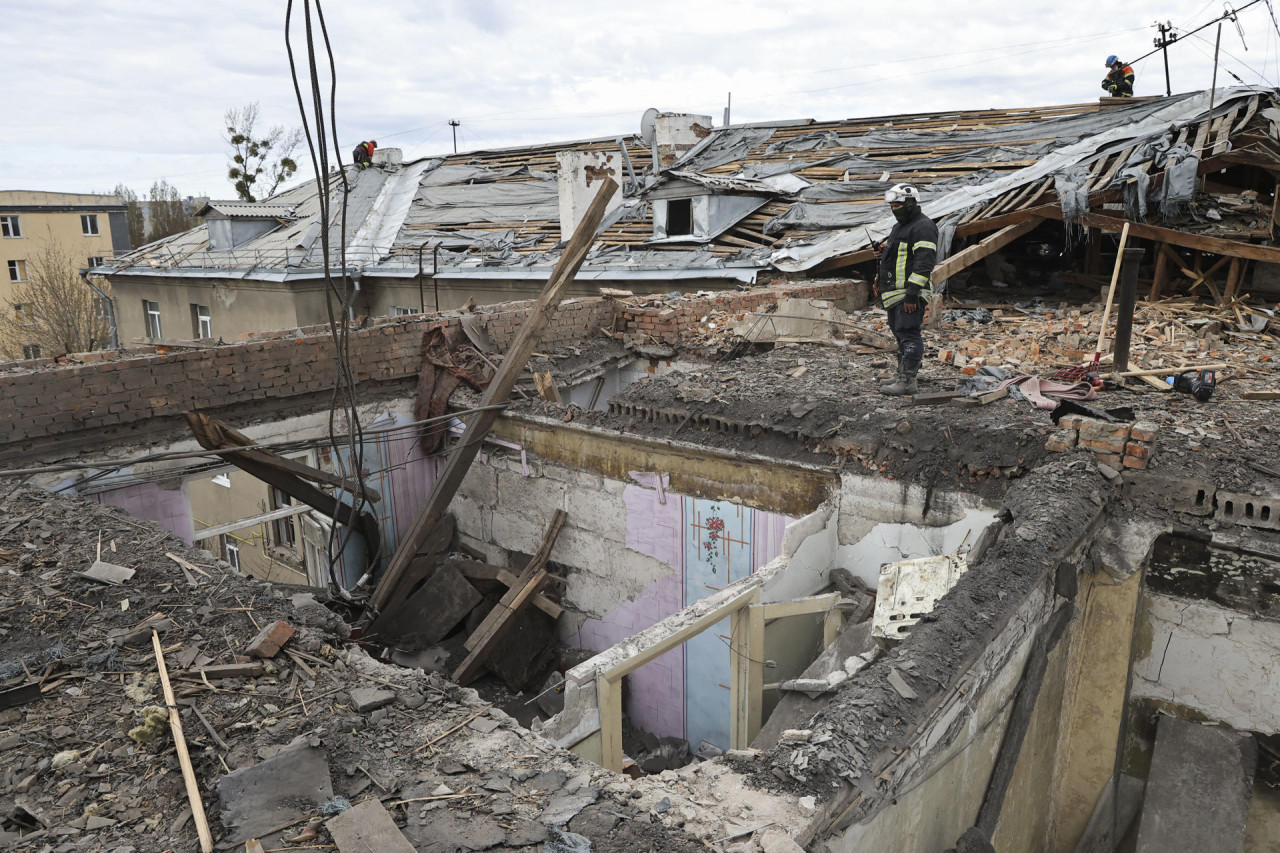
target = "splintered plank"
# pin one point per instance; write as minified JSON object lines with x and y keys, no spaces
{"x":982,"y":399}
{"x":500,"y":620}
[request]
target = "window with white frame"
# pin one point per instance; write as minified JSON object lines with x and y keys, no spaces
{"x":23,"y":314}
{"x":151,"y":313}
{"x":89,"y":224}
{"x":201,"y":321}
{"x":95,"y":261}
{"x":398,"y":311}
{"x":30,"y":351}
{"x":231,"y":551}
{"x":10,"y":226}
{"x":17,"y":270}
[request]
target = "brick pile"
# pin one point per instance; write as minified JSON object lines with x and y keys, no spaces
{"x":1118,"y":445}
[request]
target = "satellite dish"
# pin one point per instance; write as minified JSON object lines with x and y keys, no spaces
{"x":647,"y":123}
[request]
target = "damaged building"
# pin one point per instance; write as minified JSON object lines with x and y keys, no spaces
{"x":658,"y":568}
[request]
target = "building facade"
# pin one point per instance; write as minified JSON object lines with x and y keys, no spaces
{"x":86,"y":229}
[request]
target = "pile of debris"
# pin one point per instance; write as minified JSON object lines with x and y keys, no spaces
{"x":295,"y":734}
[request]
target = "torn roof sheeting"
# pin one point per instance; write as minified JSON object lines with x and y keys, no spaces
{"x":1156,"y":120}
{"x":820,"y":185}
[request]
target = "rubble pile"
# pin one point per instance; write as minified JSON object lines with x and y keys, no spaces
{"x":288,"y":722}
{"x":1115,"y":445}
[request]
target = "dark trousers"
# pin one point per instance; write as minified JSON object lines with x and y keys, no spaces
{"x":906,"y":330}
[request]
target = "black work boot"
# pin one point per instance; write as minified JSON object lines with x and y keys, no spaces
{"x":897,"y":377}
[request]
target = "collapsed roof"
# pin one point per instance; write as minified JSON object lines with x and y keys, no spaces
{"x":807,"y":195}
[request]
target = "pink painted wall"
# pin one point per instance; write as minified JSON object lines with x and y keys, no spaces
{"x":166,"y":507}
{"x":655,"y":693}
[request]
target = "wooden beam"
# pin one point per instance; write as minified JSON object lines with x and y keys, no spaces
{"x":184,"y":759}
{"x":832,"y":622}
{"x":740,"y":676}
{"x":609,"y":700}
{"x":499,"y":621}
{"x":1215,"y":245}
{"x":230,"y":526}
{"x":755,"y":673}
{"x":1161,"y":276}
{"x":993,"y":243}
{"x":799,"y":606}
{"x":388,"y":594}
{"x":1234,"y":276}
{"x":677,"y":637}
{"x":210,"y":435}
{"x":472,"y":569}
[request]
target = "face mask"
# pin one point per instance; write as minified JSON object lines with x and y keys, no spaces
{"x":903,"y":214}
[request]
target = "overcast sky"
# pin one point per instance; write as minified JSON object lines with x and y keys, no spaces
{"x":132,"y":92}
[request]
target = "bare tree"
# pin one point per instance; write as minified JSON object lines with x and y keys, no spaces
{"x":260,"y":160}
{"x":167,"y":214}
{"x":53,"y":310}
{"x":136,"y":219}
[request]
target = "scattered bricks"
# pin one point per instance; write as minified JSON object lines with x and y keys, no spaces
{"x":1143,"y":431}
{"x":1094,"y":430}
{"x":946,"y":355}
{"x":1061,"y":441}
{"x":1109,"y":446}
{"x":1071,"y":422}
{"x":1138,"y":450}
{"x":270,"y":640}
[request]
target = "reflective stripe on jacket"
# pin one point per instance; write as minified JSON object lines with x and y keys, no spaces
{"x":906,"y":263}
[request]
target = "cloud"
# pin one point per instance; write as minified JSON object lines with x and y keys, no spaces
{"x":134,"y":91}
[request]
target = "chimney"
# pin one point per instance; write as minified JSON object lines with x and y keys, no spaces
{"x":578,"y":181}
{"x":388,"y":157}
{"x":676,"y":133}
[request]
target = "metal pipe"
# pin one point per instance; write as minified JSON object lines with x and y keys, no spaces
{"x":111,"y":310}
{"x":1124,"y":307}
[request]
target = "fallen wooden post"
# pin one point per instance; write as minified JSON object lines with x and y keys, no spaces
{"x":931,"y":397}
{"x":180,"y":741}
{"x":1260,"y":395}
{"x":1169,"y":371}
{"x":390,"y":591}
{"x":981,"y":399}
{"x":499,"y":620}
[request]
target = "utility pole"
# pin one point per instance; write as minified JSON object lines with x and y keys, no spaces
{"x":454,"y":123}
{"x":1167,"y":37}
{"x":727,"y":106}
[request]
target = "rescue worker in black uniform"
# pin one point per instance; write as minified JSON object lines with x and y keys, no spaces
{"x":1119,"y":79}
{"x":903,"y":282}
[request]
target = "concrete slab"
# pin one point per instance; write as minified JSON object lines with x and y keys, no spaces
{"x":274,"y":792}
{"x":1198,"y":790}
{"x":368,"y":826}
{"x":433,"y":611}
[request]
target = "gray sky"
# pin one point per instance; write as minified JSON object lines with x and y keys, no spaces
{"x":115,"y":91}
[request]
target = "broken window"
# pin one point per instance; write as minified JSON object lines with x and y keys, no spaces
{"x":30,"y":351}
{"x":679,"y":217}
{"x":201,"y":321}
{"x":231,"y":551}
{"x":95,"y":261}
{"x":398,"y":311}
{"x":10,"y":226}
{"x":282,"y":528}
{"x":17,"y":270}
{"x":23,"y":314}
{"x":151,"y":314}
{"x":89,"y":224}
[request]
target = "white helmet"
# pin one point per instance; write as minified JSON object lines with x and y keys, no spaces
{"x":904,"y":193}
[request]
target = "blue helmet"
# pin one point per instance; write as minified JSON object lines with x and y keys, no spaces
{"x":1112,"y":59}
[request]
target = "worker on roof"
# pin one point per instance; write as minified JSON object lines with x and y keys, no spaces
{"x":363,"y":155}
{"x":903,"y":282}
{"x":1119,"y":79}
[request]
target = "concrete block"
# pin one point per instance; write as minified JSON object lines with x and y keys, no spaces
{"x":1195,"y":497}
{"x":1198,"y":790}
{"x":258,"y":799}
{"x":366,"y":699}
{"x":473,"y":518}
{"x":269,"y":640}
{"x":430,"y":613}
{"x":1249,"y":510}
{"x":598,"y":513}
{"x":534,"y":496}
{"x":480,"y":484}
{"x":368,"y":826}
{"x":516,"y":532}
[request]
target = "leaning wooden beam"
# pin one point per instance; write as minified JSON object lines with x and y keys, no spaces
{"x":210,"y":435}
{"x":971,"y":255}
{"x":501,"y":618}
{"x":184,"y":759}
{"x":232,"y":526}
{"x":388,"y":594}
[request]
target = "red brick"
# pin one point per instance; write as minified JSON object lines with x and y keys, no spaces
{"x":1102,"y":431}
{"x":1138,"y":450}
{"x":270,"y":640}
{"x":1144,"y":431}
{"x":1112,"y":459}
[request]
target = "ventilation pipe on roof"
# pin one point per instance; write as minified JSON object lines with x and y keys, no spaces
{"x":578,"y":181}
{"x":388,"y":157}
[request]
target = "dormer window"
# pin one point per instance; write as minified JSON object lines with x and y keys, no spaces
{"x":234,"y":223}
{"x":679,"y":217}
